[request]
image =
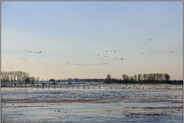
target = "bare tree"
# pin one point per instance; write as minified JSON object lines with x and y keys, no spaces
{"x":125,"y":77}
{"x":139,"y":77}
{"x":108,"y":78}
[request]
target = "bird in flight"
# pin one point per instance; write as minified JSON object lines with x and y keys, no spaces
{"x":27,"y":51}
{"x":121,"y":58}
{"x":32,"y":51}
{"x":172,"y":51}
{"x":149,"y":39}
{"x":24,"y":59}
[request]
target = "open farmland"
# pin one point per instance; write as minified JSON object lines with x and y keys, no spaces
{"x":100,"y":103}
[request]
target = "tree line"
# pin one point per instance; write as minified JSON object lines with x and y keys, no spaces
{"x":147,"y":77}
{"x":19,"y":77}
{"x":13,"y":77}
{"x":152,"y":78}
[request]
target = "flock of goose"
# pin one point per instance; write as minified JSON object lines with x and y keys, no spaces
{"x":107,"y":54}
{"x":32,"y":51}
{"x":155,"y":52}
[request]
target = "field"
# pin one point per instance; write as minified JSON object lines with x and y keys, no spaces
{"x":97,"y":103}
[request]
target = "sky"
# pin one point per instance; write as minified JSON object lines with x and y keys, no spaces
{"x":91,"y":39}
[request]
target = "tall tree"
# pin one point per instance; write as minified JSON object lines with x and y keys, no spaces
{"x":167,"y":77}
{"x":108,"y":78}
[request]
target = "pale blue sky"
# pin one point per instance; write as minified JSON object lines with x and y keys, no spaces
{"x":74,"y":38}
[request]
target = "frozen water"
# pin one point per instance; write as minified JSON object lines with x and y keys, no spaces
{"x":91,"y":105}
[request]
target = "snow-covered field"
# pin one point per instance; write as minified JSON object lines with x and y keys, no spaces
{"x":105,"y":103}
